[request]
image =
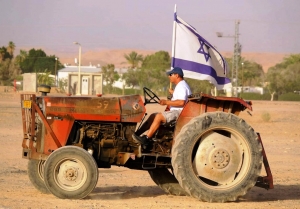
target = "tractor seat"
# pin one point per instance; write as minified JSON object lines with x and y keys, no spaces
{"x":170,"y":124}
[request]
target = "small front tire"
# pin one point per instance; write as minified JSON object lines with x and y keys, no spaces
{"x":70,"y":173}
{"x":36,"y":174}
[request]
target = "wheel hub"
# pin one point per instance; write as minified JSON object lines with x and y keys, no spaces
{"x":71,"y":174}
{"x":220,"y":158}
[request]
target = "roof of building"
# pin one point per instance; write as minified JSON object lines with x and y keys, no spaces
{"x":89,"y":69}
{"x":121,"y":70}
{"x":83,"y":69}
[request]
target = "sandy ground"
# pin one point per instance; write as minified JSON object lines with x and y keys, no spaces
{"x":120,"y":187}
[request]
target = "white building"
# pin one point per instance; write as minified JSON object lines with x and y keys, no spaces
{"x":252,"y":89}
{"x":91,"y":79}
{"x":121,"y":83}
{"x":245,"y":89}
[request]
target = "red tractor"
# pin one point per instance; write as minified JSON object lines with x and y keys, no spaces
{"x":209,"y":153}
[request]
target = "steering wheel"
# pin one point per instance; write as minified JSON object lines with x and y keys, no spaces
{"x":153,"y":97}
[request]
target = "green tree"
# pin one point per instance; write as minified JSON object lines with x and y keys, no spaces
{"x":8,"y":69}
{"x":4,"y":54}
{"x":250,"y":74}
{"x":8,"y":72}
{"x":133,"y":59}
{"x":153,"y":71}
{"x":284,"y":77}
{"x":109,"y":76}
{"x":151,"y":74}
{"x":288,"y":60}
{"x":131,"y":78}
{"x":44,"y":78}
{"x":38,"y":61}
{"x":158,"y":60}
{"x":62,"y":85}
{"x":33,"y":60}
{"x":275,"y":82}
{"x":292,"y":76}
{"x":21,"y":57}
{"x":4,"y":71}
{"x":200,"y":86}
{"x":11,"y":48}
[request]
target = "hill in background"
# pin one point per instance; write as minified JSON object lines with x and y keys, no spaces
{"x":116,"y":57}
{"x":266,"y":60}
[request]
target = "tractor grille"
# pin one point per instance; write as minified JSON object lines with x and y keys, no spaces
{"x":28,"y":118}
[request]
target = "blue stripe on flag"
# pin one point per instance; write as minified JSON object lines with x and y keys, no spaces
{"x":199,"y":68}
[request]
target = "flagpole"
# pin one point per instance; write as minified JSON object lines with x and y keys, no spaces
{"x":173,"y":38}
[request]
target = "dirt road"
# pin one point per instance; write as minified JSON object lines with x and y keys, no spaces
{"x":120,"y":187}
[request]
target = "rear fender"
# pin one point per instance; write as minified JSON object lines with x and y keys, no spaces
{"x":202,"y":103}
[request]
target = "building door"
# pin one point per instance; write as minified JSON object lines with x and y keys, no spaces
{"x":85,"y":86}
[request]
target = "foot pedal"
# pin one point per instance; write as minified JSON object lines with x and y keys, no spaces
{"x":138,"y":151}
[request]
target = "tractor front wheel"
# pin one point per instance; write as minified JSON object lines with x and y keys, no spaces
{"x":70,"y":172}
{"x":217,"y":157}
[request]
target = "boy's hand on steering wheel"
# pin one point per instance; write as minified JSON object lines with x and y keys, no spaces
{"x":163,"y":102}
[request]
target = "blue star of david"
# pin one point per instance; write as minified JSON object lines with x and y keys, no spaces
{"x":202,"y":51}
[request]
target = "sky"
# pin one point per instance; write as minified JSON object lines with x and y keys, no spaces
{"x":265,"y":25}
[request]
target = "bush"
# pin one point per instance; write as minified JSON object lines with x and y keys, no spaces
{"x":62,"y":85}
{"x":266,"y":116}
{"x":119,"y":91}
{"x":289,"y":97}
{"x":255,"y":96}
{"x":245,"y":96}
{"x":283,"y":97}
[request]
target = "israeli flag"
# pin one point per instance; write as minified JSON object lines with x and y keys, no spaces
{"x":196,"y":56}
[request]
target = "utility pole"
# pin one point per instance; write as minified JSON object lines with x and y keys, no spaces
{"x":236,"y":55}
{"x":55,"y":74}
{"x":79,"y":70}
{"x":242,"y":77}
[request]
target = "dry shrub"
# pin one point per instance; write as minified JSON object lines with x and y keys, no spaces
{"x":266,"y":116}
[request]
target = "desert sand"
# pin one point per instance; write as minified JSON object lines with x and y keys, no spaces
{"x":119,"y":187}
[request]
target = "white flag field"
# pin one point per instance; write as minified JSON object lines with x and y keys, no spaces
{"x":196,"y":56}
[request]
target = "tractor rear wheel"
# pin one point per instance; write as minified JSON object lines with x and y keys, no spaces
{"x":217,"y":157}
{"x":36,"y":174}
{"x":163,"y":178}
{"x":70,"y":172}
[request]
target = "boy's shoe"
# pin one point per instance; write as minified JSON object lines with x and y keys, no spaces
{"x":144,"y":140}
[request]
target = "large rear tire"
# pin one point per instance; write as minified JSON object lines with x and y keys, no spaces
{"x":163,"y":178}
{"x":217,"y":157}
{"x":36,"y":174}
{"x":70,"y":172}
